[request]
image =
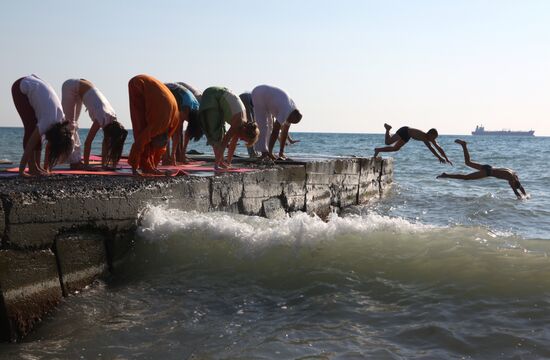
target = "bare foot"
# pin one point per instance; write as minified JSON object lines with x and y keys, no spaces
{"x":387,"y":126}
{"x":35,"y":172}
{"x":461,"y":142}
{"x":375,"y":153}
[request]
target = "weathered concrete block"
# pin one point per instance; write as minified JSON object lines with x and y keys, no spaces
{"x":320,"y":167}
{"x":294,"y":188}
{"x":226,"y":192}
{"x":30,"y":288}
{"x":36,"y":235}
{"x":347,"y":166}
{"x":273,"y":209}
{"x":287,"y":183}
{"x":369,"y":185}
{"x":318,"y":200}
{"x":262,"y":184}
{"x":81,"y":257}
{"x":252,"y":206}
{"x":28,"y":209}
{"x":386,"y":176}
{"x":188,"y":196}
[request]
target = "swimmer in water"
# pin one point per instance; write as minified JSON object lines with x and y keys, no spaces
{"x":484,"y":171}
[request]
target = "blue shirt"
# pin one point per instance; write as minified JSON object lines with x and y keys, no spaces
{"x":183,"y":96}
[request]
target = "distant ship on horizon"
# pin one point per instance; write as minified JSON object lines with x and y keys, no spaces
{"x":480,"y":130}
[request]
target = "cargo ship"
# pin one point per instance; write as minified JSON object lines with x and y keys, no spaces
{"x":480,"y":130}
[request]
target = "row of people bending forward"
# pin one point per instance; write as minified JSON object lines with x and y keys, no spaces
{"x":158,"y":112}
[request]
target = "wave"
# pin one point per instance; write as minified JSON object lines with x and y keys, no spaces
{"x":353,"y":246}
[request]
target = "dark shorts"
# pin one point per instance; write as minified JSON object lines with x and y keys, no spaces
{"x":488,"y":169}
{"x":26,"y":112}
{"x":403,"y":133}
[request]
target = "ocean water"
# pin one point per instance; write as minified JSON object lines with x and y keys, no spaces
{"x":437,"y":269}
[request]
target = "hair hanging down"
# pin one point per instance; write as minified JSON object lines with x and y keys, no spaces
{"x":252,"y":133}
{"x":60,"y":142}
{"x":194,"y":128}
{"x":433,"y":131}
{"x":114,"y":136}
{"x":295,"y":116}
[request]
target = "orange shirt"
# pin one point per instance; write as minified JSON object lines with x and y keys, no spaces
{"x":154,"y":111}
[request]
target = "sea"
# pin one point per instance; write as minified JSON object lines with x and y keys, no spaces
{"x":435,"y":269}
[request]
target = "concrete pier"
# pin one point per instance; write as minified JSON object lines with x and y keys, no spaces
{"x":60,"y":233}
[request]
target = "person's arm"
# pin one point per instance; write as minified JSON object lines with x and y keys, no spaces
{"x":231,"y":149}
{"x":284,"y":136}
{"x":47,"y":157}
{"x":88,"y":143}
{"x":518,"y":195}
{"x":274,"y":137}
{"x":175,"y":146}
{"x":429,"y":146}
{"x":186,"y":139}
{"x":33,"y":141}
{"x":440,"y":149}
{"x":230,"y":135}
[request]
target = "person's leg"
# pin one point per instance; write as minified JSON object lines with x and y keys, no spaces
{"x":137,"y":106}
{"x":472,"y":176}
{"x":388,"y":138}
{"x":72,"y":105}
{"x":137,"y":115}
{"x":263,"y":121}
{"x":398,"y":145}
{"x":467,"y":159}
{"x":28,"y":117}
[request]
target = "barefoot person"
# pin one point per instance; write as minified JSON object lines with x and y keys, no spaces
{"x":246,"y":98}
{"x":484,"y":171}
{"x":188,"y":107}
{"x":274,"y":112}
{"x":76,"y":92}
{"x":42,"y":116}
{"x":220,"y":106}
{"x":155,"y":118}
{"x":404,"y":134}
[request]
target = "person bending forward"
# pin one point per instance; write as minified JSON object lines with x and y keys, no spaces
{"x":188,"y":107}
{"x":274,"y":112}
{"x":155,"y":118}
{"x":76,"y":92}
{"x":42,"y":116}
{"x":219,"y":106}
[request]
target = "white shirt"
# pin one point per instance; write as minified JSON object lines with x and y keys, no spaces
{"x":99,"y":108}
{"x":274,"y":101}
{"x":44,"y":101}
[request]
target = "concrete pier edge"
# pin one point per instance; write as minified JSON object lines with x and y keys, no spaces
{"x":59,"y":233}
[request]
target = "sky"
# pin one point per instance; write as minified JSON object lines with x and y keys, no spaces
{"x":350,"y":65}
